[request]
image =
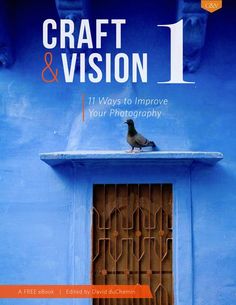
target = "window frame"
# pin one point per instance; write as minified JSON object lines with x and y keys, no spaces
{"x":179,"y":175}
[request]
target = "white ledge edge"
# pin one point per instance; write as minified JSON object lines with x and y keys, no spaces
{"x":56,"y":158}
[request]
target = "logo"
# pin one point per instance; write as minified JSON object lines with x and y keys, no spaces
{"x":211,"y":5}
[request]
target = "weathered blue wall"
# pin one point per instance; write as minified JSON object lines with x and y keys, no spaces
{"x":35,"y":200}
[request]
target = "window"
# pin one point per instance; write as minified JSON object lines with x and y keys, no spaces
{"x":132,"y":239}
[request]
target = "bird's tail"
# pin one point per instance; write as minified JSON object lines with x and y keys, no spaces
{"x":151,"y":143}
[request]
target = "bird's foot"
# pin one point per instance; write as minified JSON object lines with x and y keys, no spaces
{"x":129,"y":151}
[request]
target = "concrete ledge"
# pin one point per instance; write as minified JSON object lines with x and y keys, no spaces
{"x":90,"y":156}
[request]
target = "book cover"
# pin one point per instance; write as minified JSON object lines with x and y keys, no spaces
{"x":117,"y":181}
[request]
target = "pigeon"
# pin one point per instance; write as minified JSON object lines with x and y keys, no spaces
{"x":135,"y":139}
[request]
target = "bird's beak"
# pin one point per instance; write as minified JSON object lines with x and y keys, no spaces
{"x":125,"y":122}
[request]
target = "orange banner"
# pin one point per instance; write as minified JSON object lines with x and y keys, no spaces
{"x":211,"y":5}
{"x":75,"y":291}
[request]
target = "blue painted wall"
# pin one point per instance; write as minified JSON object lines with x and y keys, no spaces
{"x":36,"y":201}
